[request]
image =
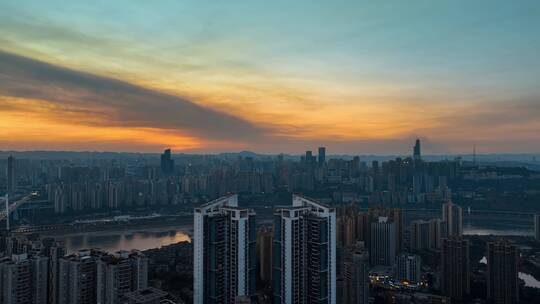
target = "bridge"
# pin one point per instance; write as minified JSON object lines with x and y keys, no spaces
{"x":13,"y":206}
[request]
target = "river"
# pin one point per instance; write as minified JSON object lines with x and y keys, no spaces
{"x":157,"y":236}
{"x":113,"y":240}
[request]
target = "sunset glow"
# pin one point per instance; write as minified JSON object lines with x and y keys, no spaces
{"x":142,"y":76}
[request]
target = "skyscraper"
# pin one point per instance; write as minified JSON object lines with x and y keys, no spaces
{"x":355,"y":275}
{"x":537,"y":227}
{"x":416,"y":152}
{"x":394,"y":215}
{"x":408,"y":268}
{"x":322,"y":156}
{"x":167,"y":163}
{"x":453,"y":216}
{"x":346,"y":230}
{"x":264,"y":254}
{"x":118,"y":274}
{"x":225,"y":262}
{"x":309,"y":158}
{"x":382,"y":242}
{"x":55,"y":253}
{"x":502,"y":274}
{"x":11,"y":175}
{"x":437,"y":231}
{"x":77,"y":277}
{"x":24,"y":279}
{"x":420,"y":235}
{"x":304,"y":253}
{"x":455,"y":269}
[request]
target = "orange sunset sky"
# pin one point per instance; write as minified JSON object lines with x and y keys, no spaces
{"x":212,"y":76}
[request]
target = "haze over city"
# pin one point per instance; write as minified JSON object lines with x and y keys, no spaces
{"x":269,"y":152}
{"x":213,"y":76}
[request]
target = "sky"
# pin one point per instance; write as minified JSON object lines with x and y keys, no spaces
{"x":270,"y":76}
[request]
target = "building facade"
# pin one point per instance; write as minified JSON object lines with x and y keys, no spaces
{"x":502,"y":274}
{"x":118,"y":274}
{"x":24,"y":279}
{"x":537,"y":227}
{"x":356,"y":276}
{"x":304,"y":253}
{"x":225,"y":262}
{"x":455,"y":268}
{"x":453,"y":217}
{"x":409,"y":268}
{"x":382,"y":242}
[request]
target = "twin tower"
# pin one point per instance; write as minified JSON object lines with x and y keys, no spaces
{"x":303,"y":252}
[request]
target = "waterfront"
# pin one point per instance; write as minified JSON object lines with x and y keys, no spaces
{"x":128,"y":239}
{"x":148,"y":237}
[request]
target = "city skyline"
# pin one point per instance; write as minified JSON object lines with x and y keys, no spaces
{"x":355,"y":77}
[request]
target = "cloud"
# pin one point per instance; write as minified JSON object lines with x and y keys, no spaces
{"x":111,"y":102}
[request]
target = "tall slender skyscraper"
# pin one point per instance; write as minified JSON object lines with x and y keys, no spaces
{"x":322,"y":156}
{"x":382,"y":242}
{"x":309,"y":158}
{"x":537,"y":227}
{"x":264,"y":254}
{"x":304,"y":253}
{"x":55,"y":253}
{"x":11,"y":175}
{"x":455,"y":268}
{"x":453,"y":216}
{"x":225,"y":260}
{"x":420,"y":235}
{"x":416,"y":152}
{"x":502,"y":274}
{"x":355,"y":275}
{"x":167,"y":163}
{"x":437,"y":232}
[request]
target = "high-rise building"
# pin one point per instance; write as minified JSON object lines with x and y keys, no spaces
{"x":118,"y":274}
{"x":394,"y":215}
{"x":455,"y":268}
{"x":304,"y":253}
{"x":24,"y":279}
{"x":420,"y":235}
{"x":149,"y":295}
{"x":416,"y":152}
{"x":346,"y":230}
{"x":382,"y":242}
{"x":94,"y":276}
{"x":502,"y":272}
{"x":264,"y":254}
{"x":408,"y":268}
{"x":11,"y":174}
{"x":453,"y":216}
{"x":78,"y":278}
{"x":355,"y":276}
{"x":225,"y":262}
{"x":537,"y":227}
{"x":437,"y":231}
{"x":322,"y":156}
{"x":309,"y":158}
{"x":55,"y":253}
{"x":167,"y":163}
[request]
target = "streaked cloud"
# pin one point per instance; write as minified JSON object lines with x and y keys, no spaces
{"x":84,"y":98}
{"x":357,"y":76}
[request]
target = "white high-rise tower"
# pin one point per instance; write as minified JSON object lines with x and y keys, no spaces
{"x":224,"y":254}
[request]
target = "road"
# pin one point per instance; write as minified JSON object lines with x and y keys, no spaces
{"x":15,"y":205}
